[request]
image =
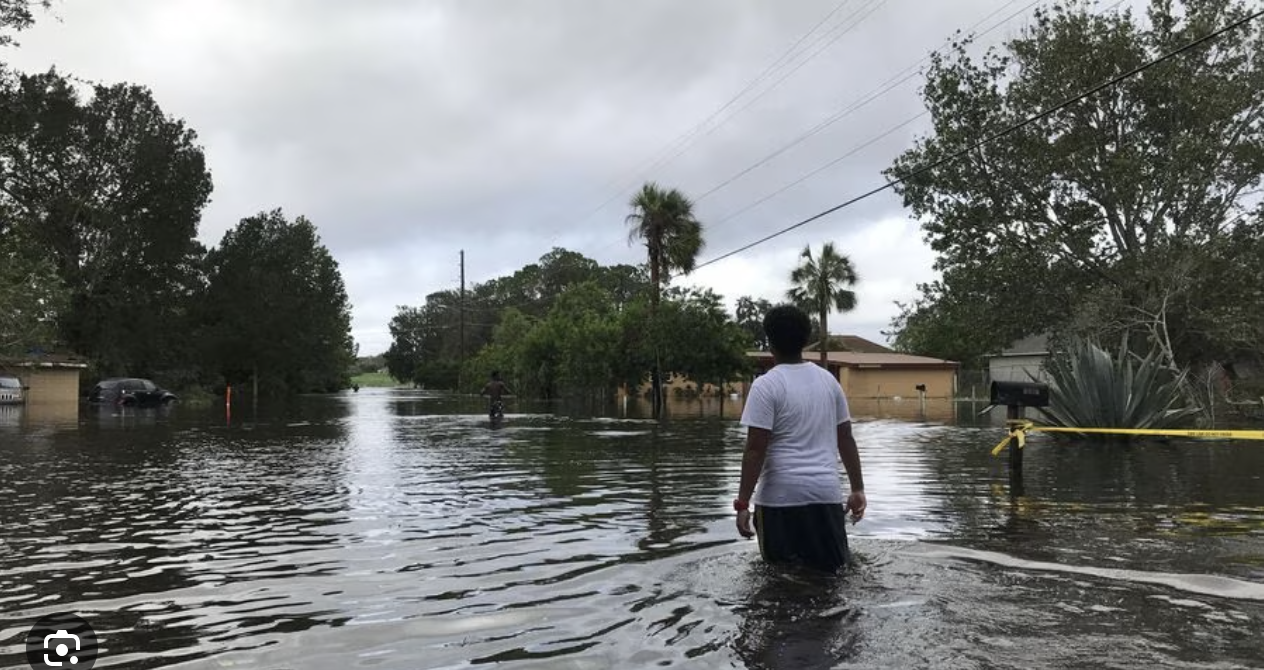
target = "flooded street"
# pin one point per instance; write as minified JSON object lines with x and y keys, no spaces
{"x":391,"y":529}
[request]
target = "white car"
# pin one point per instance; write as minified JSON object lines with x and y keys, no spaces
{"x":11,"y":391}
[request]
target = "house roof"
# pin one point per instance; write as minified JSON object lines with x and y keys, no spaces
{"x":857,"y":359}
{"x":43,"y":361}
{"x":853,"y":343}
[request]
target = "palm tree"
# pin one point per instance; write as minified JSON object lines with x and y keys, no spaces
{"x":823,"y":284}
{"x":665,"y":222}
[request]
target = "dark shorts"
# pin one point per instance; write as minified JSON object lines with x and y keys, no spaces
{"x":811,"y":535}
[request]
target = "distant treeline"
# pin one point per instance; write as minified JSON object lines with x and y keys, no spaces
{"x":565,"y":325}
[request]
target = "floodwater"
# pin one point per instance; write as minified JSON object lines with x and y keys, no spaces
{"x":391,"y":529}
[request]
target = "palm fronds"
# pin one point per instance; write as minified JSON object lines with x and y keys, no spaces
{"x":1092,"y":389}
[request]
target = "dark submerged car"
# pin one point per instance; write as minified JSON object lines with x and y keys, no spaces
{"x":129,"y":392}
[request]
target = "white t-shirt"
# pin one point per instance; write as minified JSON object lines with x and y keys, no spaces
{"x":802,"y":404}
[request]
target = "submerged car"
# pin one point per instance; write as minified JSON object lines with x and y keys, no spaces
{"x":130,"y":392}
{"x":11,"y":391}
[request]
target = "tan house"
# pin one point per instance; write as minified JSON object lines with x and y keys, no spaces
{"x":866,"y":370}
{"x":872,"y":371}
{"x":50,"y":378}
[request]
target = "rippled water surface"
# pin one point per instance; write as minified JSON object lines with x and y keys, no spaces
{"x":390,"y":529}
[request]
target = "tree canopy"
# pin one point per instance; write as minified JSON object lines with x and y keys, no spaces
{"x":18,"y":15}
{"x":1128,"y":203}
{"x":101,"y":197}
{"x":567,"y":326}
{"x":110,"y":190}
{"x":750,"y":314}
{"x":275,"y":307}
{"x":31,"y":296}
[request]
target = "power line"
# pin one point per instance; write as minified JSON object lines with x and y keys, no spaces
{"x":853,"y":151}
{"x":890,"y":84}
{"x":750,"y":85}
{"x":655,"y":157}
{"x":685,"y":138}
{"x":882,"y":89}
{"x":1013,"y":128}
{"x":871,"y":9}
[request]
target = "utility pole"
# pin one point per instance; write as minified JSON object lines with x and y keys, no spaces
{"x":461,"y":358}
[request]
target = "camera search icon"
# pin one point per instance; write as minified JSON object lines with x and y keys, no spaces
{"x":63,"y":641}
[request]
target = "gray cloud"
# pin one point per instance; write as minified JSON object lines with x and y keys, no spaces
{"x":407,"y":131}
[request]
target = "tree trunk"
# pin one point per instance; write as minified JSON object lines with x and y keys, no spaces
{"x":656,"y":375}
{"x":824,"y":343}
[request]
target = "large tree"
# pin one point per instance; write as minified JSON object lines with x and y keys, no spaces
{"x":664,"y":221}
{"x":427,"y":341}
{"x":821,"y":284}
{"x":276,"y":309}
{"x":1124,"y":202}
{"x":717,"y":345}
{"x":410,"y":335}
{"x":110,"y":190}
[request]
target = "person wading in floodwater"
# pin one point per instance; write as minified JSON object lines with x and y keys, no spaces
{"x":495,"y":389}
{"x":798,"y":426}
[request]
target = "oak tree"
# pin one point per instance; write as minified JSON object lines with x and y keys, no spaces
{"x":1154,"y":173}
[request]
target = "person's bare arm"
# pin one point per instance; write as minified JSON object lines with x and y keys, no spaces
{"x":850,"y":455}
{"x":752,"y":463}
{"x":753,"y":460}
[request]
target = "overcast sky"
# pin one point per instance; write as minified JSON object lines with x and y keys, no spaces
{"x":409,"y":130}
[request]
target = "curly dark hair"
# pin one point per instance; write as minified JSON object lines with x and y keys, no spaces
{"x":788,"y":329}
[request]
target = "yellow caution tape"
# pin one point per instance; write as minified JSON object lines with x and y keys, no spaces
{"x":1018,"y":432}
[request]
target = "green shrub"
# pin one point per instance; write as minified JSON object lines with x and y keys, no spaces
{"x":1092,"y":389}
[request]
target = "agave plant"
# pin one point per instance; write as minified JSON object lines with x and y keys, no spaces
{"x":1092,"y":389}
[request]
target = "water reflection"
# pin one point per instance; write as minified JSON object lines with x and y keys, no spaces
{"x":38,"y":417}
{"x":401,"y":529}
{"x":11,"y":419}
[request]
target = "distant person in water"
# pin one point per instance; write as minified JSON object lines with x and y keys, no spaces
{"x":798,"y":427}
{"x":495,"y":389}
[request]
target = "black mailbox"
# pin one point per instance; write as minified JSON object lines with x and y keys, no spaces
{"x":1020,"y":394}
{"x":921,"y":388}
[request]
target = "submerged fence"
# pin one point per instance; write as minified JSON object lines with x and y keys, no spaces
{"x":972,"y":385}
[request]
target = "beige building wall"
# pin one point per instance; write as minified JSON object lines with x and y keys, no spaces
{"x":50,"y":385}
{"x":60,"y":414}
{"x":885,"y":382}
{"x":892,"y":382}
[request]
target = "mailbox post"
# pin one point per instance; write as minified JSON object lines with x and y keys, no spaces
{"x":1016,"y":397}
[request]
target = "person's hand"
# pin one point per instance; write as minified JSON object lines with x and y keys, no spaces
{"x":856,"y":505}
{"x":744,"y":524}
